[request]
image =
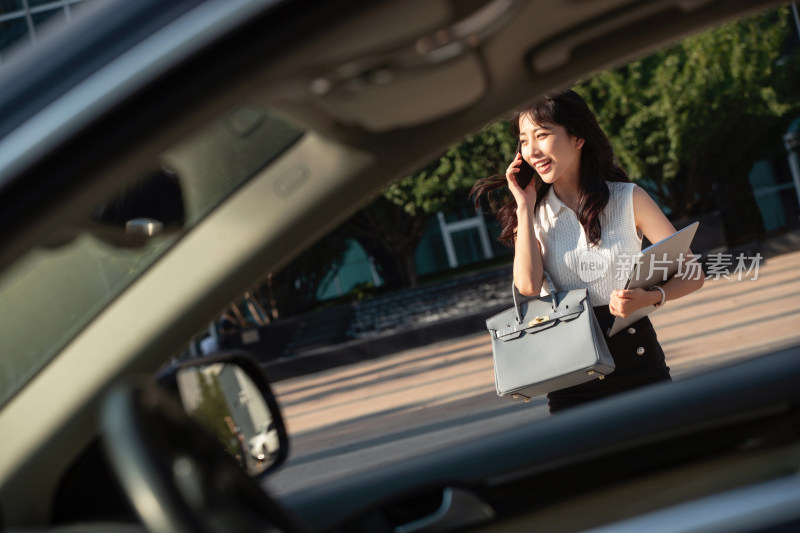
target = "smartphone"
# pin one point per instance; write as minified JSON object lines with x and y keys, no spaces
{"x":525,"y":174}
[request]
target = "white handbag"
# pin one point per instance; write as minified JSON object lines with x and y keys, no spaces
{"x":547,"y":343}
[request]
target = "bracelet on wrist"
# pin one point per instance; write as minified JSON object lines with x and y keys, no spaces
{"x":663,"y":295}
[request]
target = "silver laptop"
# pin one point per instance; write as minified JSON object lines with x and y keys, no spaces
{"x":653,"y":266}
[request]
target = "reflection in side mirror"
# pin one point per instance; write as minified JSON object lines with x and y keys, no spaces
{"x":223,"y":397}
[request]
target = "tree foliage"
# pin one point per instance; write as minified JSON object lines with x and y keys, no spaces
{"x":392,"y":226}
{"x":688,"y":122}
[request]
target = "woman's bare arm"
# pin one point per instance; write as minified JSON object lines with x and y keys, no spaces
{"x":528,"y":268}
{"x":650,"y":220}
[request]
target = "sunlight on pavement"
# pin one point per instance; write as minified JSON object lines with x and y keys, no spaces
{"x":376,"y":412}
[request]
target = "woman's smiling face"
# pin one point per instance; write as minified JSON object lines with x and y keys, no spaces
{"x":550,"y":150}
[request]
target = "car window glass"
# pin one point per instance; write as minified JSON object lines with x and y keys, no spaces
{"x":52,"y":293}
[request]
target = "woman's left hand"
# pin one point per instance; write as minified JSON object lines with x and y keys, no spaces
{"x":625,"y":302}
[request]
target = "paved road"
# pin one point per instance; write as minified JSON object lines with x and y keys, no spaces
{"x":376,"y":412}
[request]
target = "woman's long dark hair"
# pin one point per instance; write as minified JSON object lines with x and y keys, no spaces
{"x":597,"y":165}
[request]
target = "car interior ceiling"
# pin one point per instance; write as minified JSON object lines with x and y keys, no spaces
{"x":760,"y":444}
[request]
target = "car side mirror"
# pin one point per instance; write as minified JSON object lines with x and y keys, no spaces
{"x":230,"y":396}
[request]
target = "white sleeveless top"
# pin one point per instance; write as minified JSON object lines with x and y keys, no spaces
{"x":571,"y":262}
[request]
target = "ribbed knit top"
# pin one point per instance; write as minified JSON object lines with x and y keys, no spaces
{"x":568,"y":258}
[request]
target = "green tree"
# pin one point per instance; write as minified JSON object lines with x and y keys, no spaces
{"x":688,"y":122}
{"x":391,"y":227}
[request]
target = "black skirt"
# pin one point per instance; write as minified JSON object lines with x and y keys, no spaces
{"x":639,"y":361}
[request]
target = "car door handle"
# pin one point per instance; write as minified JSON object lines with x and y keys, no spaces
{"x":460,"y":507}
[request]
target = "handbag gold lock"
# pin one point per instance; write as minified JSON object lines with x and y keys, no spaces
{"x":537,"y":320}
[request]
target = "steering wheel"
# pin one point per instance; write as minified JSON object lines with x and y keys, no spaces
{"x":178,"y":476}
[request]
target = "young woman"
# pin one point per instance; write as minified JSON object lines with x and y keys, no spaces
{"x":580,"y":204}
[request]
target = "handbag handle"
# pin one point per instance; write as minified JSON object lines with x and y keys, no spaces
{"x":551,"y":289}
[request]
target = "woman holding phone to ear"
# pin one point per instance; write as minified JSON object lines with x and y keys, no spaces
{"x":580,"y":204}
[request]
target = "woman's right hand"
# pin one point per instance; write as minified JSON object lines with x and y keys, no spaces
{"x":526,"y":196}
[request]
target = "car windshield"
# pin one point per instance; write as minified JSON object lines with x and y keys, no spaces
{"x":53,"y":292}
{"x":433,"y":384}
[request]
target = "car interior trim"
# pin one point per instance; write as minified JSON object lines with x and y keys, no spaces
{"x":235,"y":251}
{"x":759,"y":506}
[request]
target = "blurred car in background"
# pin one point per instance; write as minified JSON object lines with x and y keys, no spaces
{"x":265,"y":443}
